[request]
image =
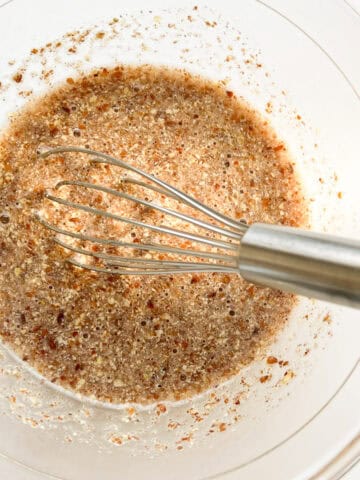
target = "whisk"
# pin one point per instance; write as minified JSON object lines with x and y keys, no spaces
{"x":294,"y":260}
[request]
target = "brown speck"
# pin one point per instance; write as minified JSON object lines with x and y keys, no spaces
{"x":210,"y":24}
{"x":195,"y":279}
{"x":17,"y":77}
{"x":222,"y":427}
{"x":66,"y":108}
{"x":327,"y":318}
{"x":160,"y":409}
{"x":269,"y":107}
{"x":288,"y":375}
{"x":279,"y":147}
{"x":53,"y":130}
{"x":226,"y":279}
{"x":4,"y":218}
{"x":340,"y":195}
{"x":173,"y":425}
{"x":60,"y":317}
{"x":116,"y":440}
{"x":283,"y":363}
{"x":100,"y":35}
{"x":251,"y":290}
{"x":265,"y":378}
{"x":271,"y":360}
{"x":52,"y":343}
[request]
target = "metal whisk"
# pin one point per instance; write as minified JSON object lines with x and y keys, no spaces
{"x":294,"y":260}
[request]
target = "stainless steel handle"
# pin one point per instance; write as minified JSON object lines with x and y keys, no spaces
{"x":311,"y":264}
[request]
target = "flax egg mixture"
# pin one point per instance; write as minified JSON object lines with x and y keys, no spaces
{"x":136,"y":338}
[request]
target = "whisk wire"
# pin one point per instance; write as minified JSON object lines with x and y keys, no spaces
{"x":141,"y":246}
{"x":154,"y":206}
{"x":108,"y":159}
{"x":117,"y":260}
{"x":208,"y":261}
{"x":137,"y":223}
{"x":149,"y":272}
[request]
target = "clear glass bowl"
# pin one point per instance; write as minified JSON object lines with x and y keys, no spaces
{"x":308,"y":414}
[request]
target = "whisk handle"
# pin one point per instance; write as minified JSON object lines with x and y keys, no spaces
{"x":302,"y":262}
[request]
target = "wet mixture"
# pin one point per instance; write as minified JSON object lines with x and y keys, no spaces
{"x":137,"y":338}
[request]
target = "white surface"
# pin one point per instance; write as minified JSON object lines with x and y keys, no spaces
{"x":302,"y":12}
{"x":354,"y":474}
{"x":11,"y":471}
{"x":307,"y":14}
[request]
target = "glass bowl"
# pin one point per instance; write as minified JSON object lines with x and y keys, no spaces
{"x":307,"y":417}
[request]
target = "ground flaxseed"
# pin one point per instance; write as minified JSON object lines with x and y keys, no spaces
{"x":123,"y":338}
